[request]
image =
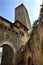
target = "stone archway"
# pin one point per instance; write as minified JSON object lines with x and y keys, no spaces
{"x":30,"y":61}
{"x":7,"y":55}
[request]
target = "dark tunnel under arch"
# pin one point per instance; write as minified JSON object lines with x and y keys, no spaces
{"x":7,"y":55}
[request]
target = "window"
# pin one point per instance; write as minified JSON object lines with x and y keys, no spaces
{"x":22,"y":33}
{"x":19,"y":13}
{"x":5,"y":27}
{"x":9,"y":29}
{"x":6,"y":36}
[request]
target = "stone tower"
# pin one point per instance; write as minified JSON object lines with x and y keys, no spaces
{"x":21,"y":15}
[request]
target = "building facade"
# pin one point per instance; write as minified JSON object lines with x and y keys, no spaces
{"x":13,"y":36}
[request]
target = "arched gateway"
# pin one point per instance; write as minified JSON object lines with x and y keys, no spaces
{"x":7,"y":55}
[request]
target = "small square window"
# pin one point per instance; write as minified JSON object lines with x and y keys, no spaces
{"x":19,"y":13}
{"x":7,"y":36}
{"x":22,"y":33}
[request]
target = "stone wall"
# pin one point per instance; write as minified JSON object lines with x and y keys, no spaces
{"x":36,"y":43}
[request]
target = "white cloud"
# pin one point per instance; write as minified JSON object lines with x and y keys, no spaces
{"x":40,"y":1}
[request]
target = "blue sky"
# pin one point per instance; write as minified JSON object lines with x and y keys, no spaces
{"x":7,"y":9}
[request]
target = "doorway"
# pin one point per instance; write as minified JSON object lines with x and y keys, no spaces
{"x":7,"y":55}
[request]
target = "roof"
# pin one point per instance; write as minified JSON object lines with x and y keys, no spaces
{"x":14,"y":22}
{"x":22,"y":6}
{"x":19,"y":5}
{"x":5,"y":19}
